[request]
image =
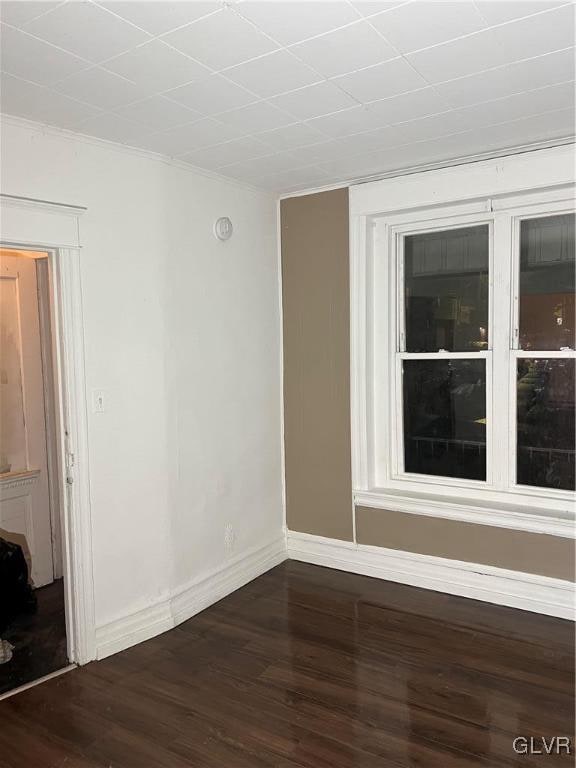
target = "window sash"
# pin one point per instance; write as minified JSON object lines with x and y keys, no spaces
{"x":531,"y":212}
{"x":439,"y":225}
{"x":399,"y":472}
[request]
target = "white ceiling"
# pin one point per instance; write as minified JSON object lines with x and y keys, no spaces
{"x":293,"y":94}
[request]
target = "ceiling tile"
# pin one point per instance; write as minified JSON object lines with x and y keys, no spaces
{"x":157,"y":67}
{"x":345,"y":50}
{"x":409,"y":106}
{"x":290,"y":22}
{"x":35,"y":102}
{"x":262,"y":166}
{"x":313,"y":101}
{"x":514,"y":78}
{"x":537,"y":35}
{"x":348,"y":121}
{"x":31,"y":59}
{"x":221,"y":40}
{"x":437,"y":22}
{"x":225,"y":154}
{"x":87,"y":30}
{"x":291,"y":136}
{"x":112,"y":128}
{"x":357,"y":166}
{"x":18,"y":13}
{"x":160,"y":16}
{"x":212,"y":95}
{"x":520,"y":105}
{"x":382,"y":81}
{"x":464,"y":56}
{"x":273,"y":74}
{"x":381,"y":138}
{"x":549,"y":126}
{"x":158,"y":113}
{"x":510,"y":42}
{"x":506,"y":10}
{"x":372,"y":7}
{"x":187,"y":138}
{"x":100,"y":88}
{"x":255,"y":118}
{"x":401,"y":157}
{"x":297,"y":178}
{"x":325,"y":150}
{"x":426,"y":128}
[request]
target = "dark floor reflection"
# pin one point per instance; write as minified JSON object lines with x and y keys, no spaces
{"x":39,"y":639}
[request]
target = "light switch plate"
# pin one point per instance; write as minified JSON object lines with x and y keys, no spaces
{"x":98,"y":401}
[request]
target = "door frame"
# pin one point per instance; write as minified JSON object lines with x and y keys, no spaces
{"x":55,"y":229}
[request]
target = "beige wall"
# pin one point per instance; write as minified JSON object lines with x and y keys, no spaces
{"x":518,"y":551}
{"x":317,"y":363}
{"x":317,"y":412}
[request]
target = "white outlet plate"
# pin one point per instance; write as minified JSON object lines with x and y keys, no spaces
{"x":229,"y":536}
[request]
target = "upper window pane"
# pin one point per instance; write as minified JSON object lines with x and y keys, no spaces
{"x":446,"y":290}
{"x":547,"y":283}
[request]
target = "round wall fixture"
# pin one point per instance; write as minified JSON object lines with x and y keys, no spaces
{"x":223,"y":228}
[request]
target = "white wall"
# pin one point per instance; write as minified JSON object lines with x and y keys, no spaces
{"x":182,"y":333}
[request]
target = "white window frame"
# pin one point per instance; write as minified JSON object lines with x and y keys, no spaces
{"x":458,"y":197}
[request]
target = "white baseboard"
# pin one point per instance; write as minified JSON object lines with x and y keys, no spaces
{"x":529,"y":592}
{"x":187,"y":601}
{"x":199,"y":594}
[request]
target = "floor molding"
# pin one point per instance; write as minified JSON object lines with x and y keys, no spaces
{"x":529,"y":592}
{"x":199,"y":594}
{"x":189,"y":600}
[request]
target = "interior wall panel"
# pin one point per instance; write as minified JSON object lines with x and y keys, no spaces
{"x":316,"y":309}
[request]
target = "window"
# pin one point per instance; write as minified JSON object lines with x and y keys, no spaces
{"x":464,"y":352}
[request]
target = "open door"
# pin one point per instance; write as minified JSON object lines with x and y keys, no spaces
{"x":25,"y":515}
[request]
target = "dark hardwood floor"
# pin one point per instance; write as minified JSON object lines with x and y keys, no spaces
{"x":39,"y":640}
{"x":311,"y":668}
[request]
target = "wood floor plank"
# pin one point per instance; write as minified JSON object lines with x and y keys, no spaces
{"x":311,"y":668}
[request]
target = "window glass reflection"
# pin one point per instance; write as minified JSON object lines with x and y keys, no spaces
{"x":545,"y":396}
{"x":446,"y":290}
{"x":445,"y":417}
{"x":547,"y":283}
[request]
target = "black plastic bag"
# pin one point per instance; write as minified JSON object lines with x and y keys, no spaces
{"x":16,"y":595}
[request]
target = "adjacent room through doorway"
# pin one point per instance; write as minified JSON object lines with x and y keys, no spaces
{"x":32,"y":614}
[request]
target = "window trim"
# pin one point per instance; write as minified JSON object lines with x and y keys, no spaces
{"x":450,"y":196}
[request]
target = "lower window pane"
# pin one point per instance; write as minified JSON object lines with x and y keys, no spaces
{"x":445,"y":418}
{"x":545,"y":450}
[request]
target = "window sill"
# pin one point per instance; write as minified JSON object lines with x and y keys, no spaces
{"x":463,"y":509}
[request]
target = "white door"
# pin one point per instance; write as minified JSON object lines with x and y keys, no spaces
{"x":24,"y":489}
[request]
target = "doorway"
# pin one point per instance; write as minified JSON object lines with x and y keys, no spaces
{"x":54,"y":228}
{"x":32,"y":608}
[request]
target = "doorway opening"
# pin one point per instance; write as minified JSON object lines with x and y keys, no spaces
{"x":33,"y":637}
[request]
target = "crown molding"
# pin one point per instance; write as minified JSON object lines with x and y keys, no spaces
{"x":412,"y":169}
{"x":52,"y":130}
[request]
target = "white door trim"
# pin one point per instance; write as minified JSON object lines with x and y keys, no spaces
{"x":54,"y":228}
